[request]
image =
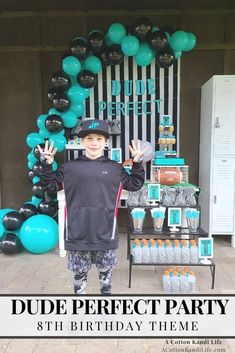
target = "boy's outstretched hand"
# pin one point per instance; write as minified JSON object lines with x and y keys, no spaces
{"x":48,"y":152}
{"x":136,"y":152}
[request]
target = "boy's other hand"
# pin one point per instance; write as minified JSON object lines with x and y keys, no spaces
{"x":136,"y":152}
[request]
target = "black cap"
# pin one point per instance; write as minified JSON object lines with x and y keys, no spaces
{"x":94,"y":126}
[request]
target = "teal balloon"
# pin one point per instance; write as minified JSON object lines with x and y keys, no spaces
{"x":116,"y":33}
{"x":76,"y":94}
{"x":144,"y":55}
{"x":62,"y":132}
{"x":34,"y":139}
{"x":35,"y":201}
{"x":78,"y":109}
{"x":44,"y":133}
{"x":130,"y":45}
{"x":59,"y":141}
{"x":41,"y":121}
{"x":54,"y":166}
{"x":154,"y":29}
{"x":31,"y":157}
{"x":178,"y":41}
{"x":108,"y":41}
{"x":53,"y":111}
{"x":31,"y":164}
{"x":192,"y":40}
{"x":87,"y":92}
{"x":93,"y":64}
{"x":36,"y":179}
{"x":39,"y":234}
{"x":178,"y":54}
{"x":70,"y":119}
{"x":71,"y":65}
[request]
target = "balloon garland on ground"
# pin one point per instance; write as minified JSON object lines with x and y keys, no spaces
{"x":34,"y":226}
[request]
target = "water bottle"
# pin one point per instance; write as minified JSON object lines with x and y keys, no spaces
{"x":145,"y":252}
{"x":177,"y":252}
{"x":161,"y":254}
{"x":192,"y":282}
{"x":193,"y":253}
{"x":138,"y":253}
{"x":175,"y":284}
{"x":169,"y":253}
{"x":153,"y":251}
{"x":166,"y":281}
{"x":185,"y":253}
{"x":184,"y":284}
{"x":133,"y":246}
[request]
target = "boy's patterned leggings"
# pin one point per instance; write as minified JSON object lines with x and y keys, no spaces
{"x":105,"y":278}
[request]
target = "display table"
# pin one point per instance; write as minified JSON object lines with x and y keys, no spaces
{"x":61,"y":218}
{"x":164,"y":234}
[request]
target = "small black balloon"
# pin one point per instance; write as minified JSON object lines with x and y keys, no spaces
{"x":86,"y":79}
{"x":10,"y":244}
{"x":28,"y":210}
{"x":79,"y":48}
{"x":66,"y":53}
{"x":61,"y":102}
{"x":96,"y":42}
{"x":31,"y":175}
{"x":157,"y":40}
{"x":37,"y":168}
{"x":60,"y":81}
{"x":38,"y":190}
{"x":51,"y":94}
{"x":36,"y":150}
{"x":104,"y":59}
{"x":49,"y":208}
{"x":12,"y":220}
{"x":54,"y":123}
{"x":165,"y":58}
{"x":114,"y":54}
{"x":142,"y":27}
{"x":50,"y":196}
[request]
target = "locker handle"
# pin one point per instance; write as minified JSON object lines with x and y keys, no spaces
{"x":215,"y":198}
{"x":217,"y":124}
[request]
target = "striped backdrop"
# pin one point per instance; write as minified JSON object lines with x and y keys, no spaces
{"x":135,"y":127}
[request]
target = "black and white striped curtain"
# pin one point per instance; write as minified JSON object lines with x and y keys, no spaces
{"x":143,"y":127}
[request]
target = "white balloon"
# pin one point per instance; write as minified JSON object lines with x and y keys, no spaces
{"x":149,"y":153}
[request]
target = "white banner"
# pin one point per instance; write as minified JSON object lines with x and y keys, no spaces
{"x":117,"y":316}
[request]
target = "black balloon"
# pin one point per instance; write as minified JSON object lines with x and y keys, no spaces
{"x":36,"y":150}
{"x":96,"y":42}
{"x":86,"y":79}
{"x":10,"y":244}
{"x":54,"y":123}
{"x":37,"y":168}
{"x":60,"y":81}
{"x":167,"y":29}
{"x":31,"y":175}
{"x":79,"y":48}
{"x":114,"y":54}
{"x":157,"y":40}
{"x":104,"y":60}
{"x":12,"y":220}
{"x":165,"y":58}
{"x":61,"y":102}
{"x":51,"y":94}
{"x":66,"y":53}
{"x":28,"y":210}
{"x":49,"y":208}
{"x":142,"y":27}
{"x":50,"y":196}
{"x":38,"y":190}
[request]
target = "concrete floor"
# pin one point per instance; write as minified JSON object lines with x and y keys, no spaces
{"x":26,"y":273}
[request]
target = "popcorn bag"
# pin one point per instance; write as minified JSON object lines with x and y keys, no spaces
{"x":138,"y":215}
{"x":158,"y":216}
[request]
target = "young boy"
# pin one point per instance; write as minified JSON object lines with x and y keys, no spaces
{"x":92,"y":185}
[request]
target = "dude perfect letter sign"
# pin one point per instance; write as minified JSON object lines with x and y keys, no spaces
{"x":135,"y":89}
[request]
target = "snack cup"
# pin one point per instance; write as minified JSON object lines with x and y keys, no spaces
{"x":138,"y":215}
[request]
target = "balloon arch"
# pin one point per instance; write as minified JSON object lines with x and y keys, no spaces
{"x":33,"y":227}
